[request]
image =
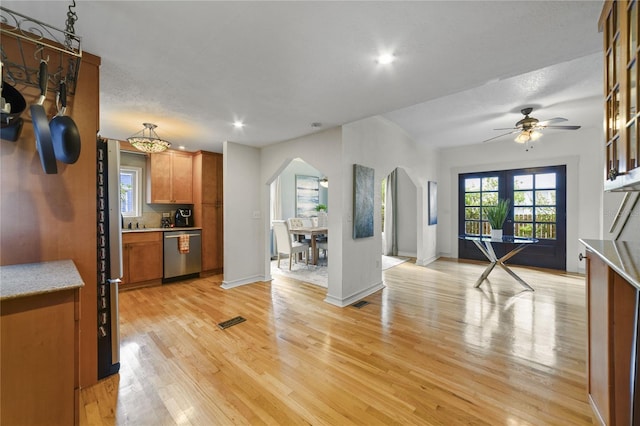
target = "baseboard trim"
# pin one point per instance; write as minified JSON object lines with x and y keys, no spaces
{"x":425,"y":262}
{"x":249,"y":280}
{"x":354,"y":297}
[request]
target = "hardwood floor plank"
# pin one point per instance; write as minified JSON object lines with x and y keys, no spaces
{"x":428,"y":349}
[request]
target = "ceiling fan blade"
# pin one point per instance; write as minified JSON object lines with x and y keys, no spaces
{"x":563,"y":127}
{"x":499,"y":136}
{"x":509,"y":128}
{"x":551,"y":120}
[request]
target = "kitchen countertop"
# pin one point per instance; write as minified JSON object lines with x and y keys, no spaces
{"x":190,"y":228}
{"x":30,"y":279}
{"x":622,"y":256}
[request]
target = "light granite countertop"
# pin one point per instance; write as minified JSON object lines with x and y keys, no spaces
{"x":29,"y":279}
{"x":622,"y":256}
{"x":191,"y":228}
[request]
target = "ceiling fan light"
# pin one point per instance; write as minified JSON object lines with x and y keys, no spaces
{"x":523,"y":137}
{"x":535,"y":135}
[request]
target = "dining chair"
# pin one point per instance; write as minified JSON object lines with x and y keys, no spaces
{"x":284,"y":244}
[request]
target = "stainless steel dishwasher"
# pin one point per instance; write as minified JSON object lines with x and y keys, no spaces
{"x":182,"y":254}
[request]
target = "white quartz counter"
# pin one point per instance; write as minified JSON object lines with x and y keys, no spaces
{"x":36,"y":278}
{"x":622,"y":256}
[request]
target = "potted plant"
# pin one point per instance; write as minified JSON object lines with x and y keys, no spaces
{"x":496,"y":215}
{"x":322,"y":214}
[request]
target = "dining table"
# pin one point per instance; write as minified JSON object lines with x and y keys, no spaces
{"x":313,"y":231}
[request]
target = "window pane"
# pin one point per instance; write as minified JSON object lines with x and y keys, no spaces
{"x":486,"y":228}
{"x":546,"y":180}
{"x":472,"y":213}
{"x":546,"y":198}
{"x":130,"y":201}
{"x":546,"y":231}
{"x":523,"y":182}
{"x":523,"y":214}
{"x":523,"y":229}
{"x":545,"y":214}
{"x":472,"y":199}
{"x":490,"y":183}
{"x":472,"y":184}
{"x":489,"y":198}
{"x":522,"y":198}
{"x":472,"y":228}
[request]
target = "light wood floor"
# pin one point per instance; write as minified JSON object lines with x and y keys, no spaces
{"x":428,"y":349}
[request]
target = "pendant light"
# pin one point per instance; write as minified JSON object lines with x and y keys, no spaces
{"x":147,"y":140}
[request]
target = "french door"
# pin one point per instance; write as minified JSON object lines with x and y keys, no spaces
{"x":538,"y":209}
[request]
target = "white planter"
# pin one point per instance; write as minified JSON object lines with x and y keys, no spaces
{"x":496,"y":234}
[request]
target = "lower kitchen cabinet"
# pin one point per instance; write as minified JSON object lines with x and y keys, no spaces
{"x":39,"y":359}
{"x":141,"y":258}
{"x":611,"y":309}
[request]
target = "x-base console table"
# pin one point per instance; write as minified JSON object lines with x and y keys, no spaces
{"x":485,"y":245}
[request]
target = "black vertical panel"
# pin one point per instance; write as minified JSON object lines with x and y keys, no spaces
{"x":105,"y":361}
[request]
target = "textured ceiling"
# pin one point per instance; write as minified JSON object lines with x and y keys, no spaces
{"x":462,"y":69}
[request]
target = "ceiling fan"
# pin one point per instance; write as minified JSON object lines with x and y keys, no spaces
{"x":529,"y":127}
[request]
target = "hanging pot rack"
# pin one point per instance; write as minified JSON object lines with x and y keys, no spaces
{"x":61,"y":48}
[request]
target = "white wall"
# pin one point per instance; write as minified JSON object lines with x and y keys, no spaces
{"x":582,"y":152}
{"x":288,"y":186}
{"x":243,"y":216}
{"x":382,"y":145}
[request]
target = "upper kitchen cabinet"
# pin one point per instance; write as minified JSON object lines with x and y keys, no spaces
{"x":170,"y":178}
{"x":619,"y":24}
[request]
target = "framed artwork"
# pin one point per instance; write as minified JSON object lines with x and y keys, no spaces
{"x":307,"y":195}
{"x":433,"y":203}
{"x":363,"y":196}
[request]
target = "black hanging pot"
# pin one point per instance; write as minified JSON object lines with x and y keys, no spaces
{"x":64,"y":132}
{"x":11,"y":123}
{"x":41,"y":125}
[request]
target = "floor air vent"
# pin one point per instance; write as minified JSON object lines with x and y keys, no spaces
{"x":232,"y":321}
{"x":360,"y":304}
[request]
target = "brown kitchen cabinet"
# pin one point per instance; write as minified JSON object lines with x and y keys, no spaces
{"x":170,"y":178}
{"x":611,"y":307}
{"x":208,"y":208}
{"x":141,"y":258}
{"x":40,"y":343}
{"x":619,"y":25}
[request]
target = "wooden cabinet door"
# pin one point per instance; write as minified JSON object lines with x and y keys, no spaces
{"x":182,"y":178}
{"x":211,"y":178}
{"x":170,"y":178}
{"x":159,"y":178}
{"x":141,"y":257}
{"x":145,"y":261}
{"x":212,"y":237}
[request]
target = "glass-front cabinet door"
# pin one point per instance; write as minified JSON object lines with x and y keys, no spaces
{"x":619,"y":25}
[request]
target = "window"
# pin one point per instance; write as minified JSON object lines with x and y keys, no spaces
{"x":537,"y":210}
{"x":131,"y":191}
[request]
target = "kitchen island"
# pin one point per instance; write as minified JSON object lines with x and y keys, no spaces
{"x":39,"y":340}
{"x":613,"y":294}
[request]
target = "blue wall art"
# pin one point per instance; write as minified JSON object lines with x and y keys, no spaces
{"x":363,"y":197}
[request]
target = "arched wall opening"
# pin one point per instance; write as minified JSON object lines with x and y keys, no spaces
{"x":288,"y":199}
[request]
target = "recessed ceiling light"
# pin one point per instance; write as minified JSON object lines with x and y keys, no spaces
{"x":385,"y":58}
{"x":182,"y":147}
{"x":238,"y":124}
